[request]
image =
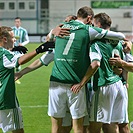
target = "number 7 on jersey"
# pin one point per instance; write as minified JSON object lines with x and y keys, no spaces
{"x":69,"y":43}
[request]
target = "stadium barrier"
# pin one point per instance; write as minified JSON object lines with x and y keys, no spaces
{"x":37,"y":37}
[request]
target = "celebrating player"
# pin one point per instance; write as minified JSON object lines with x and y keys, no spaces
{"x":71,"y":61}
{"x":10,"y":112}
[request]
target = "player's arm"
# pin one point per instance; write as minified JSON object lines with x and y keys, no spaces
{"x":90,"y":72}
{"x":58,"y":31}
{"x":33,"y":66}
{"x":122,"y":73}
{"x":42,"y":48}
{"x":98,"y":33}
{"x":115,"y":35}
{"x":26,"y":39}
{"x":126,"y":64}
{"x":36,"y":64}
{"x":95,"y":57}
{"x":45,"y":59}
{"x":117,"y":61}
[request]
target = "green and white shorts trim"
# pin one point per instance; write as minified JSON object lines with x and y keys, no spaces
{"x":11,"y":119}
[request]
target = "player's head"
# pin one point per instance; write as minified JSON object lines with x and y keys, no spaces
{"x":70,"y":17}
{"x":102,"y":20}
{"x":17,"y":22}
{"x":86,"y":14}
{"x":7,"y":38}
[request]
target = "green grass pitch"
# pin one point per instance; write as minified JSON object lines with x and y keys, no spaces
{"x":33,"y":97}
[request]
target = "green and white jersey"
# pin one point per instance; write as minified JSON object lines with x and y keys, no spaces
{"x":102,"y":51}
{"x":8,"y":60}
{"x":71,"y":58}
{"x":21,"y":36}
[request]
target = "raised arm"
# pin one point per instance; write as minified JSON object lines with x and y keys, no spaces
{"x":115,"y":35}
{"x":42,"y":48}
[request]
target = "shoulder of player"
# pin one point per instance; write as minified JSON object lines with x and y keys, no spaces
{"x":13,"y":27}
{"x":21,"y":28}
{"x":5,"y":52}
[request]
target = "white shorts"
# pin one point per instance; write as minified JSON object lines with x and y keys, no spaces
{"x":62,"y":98}
{"x":108,"y":104}
{"x":11,"y":119}
{"x":47,"y":58}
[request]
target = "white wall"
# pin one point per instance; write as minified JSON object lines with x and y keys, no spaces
{"x":59,"y":9}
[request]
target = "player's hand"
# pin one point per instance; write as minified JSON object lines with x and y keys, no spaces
{"x":58,"y":31}
{"x":47,"y":46}
{"x":20,"y":49}
{"x":117,"y":61}
{"x":76,"y":88}
{"x":127,"y":46}
{"x":20,"y":44}
{"x":18,"y":76}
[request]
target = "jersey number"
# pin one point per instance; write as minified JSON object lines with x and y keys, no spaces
{"x":69,"y":43}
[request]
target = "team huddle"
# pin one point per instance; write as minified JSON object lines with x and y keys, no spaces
{"x":88,"y":82}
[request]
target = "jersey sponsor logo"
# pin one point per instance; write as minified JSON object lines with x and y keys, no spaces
{"x":73,"y":27}
{"x":68,"y":60}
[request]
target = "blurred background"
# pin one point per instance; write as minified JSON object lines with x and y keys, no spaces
{"x":40,"y":16}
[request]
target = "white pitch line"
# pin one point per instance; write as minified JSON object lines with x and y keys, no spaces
{"x":36,"y":106}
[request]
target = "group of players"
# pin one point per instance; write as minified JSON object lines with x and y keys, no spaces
{"x":83,"y":51}
{"x":10,"y":112}
{"x":87,"y":52}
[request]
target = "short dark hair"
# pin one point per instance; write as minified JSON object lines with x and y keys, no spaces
{"x":84,"y":12}
{"x":18,"y":18}
{"x":104,"y":20}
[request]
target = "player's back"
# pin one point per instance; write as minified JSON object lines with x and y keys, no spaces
{"x":71,"y":58}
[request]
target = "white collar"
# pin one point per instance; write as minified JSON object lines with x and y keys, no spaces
{"x":79,"y":21}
